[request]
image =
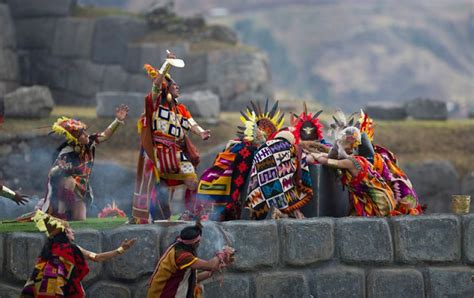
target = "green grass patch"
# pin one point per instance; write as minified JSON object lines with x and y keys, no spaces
{"x":90,"y":223}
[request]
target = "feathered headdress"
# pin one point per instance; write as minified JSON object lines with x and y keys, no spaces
{"x":70,"y":128}
{"x":248,"y":132}
{"x":268,"y":121}
{"x":350,"y":135}
{"x":366,"y":125}
{"x":48,"y":224}
{"x":112,"y":211}
{"x":307,"y":126}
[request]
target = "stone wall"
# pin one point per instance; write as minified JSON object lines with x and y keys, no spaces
{"x":77,"y":57}
{"x":426,"y":256}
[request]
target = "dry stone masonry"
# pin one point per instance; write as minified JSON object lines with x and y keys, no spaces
{"x":430,"y":256}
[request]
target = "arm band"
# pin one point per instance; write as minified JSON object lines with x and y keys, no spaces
{"x":120,"y":250}
{"x":7,"y":193}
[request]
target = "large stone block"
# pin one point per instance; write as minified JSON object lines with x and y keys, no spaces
{"x":137,"y":261}
{"x":202,"y":104}
{"x":253,"y":252}
{"x":48,"y":70}
{"x":281,"y":284}
{"x":194,"y":73}
{"x":212,"y":240}
{"x":22,"y":249}
{"x":386,"y":110}
{"x":29,"y":102}
{"x":139,"y":83}
{"x":141,"y":289}
{"x":115,"y":78}
{"x":92,"y":241}
{"x":435,"y":182}
{"x":106,"y":289}
{"x":392,"y":282}
{"x":73,"y":38}
{"x":7,"y":291}
{"x":427,"y":239}
{"x":41,"y":8}
{"x":170,"y":233}
{"x":337,"y":282}
{"x":427,"y":109}
{"x":317,"y":236}
{"x":365,"y":240}
{"x":139,"y":54}
{"x":451,"y":282}
{"x":111,"y":36}
{"x":7,"y":28}
{"x":87,"y":78}
{"x":8,"y":65}
{"x":35,"y":33}
{"x":468,"y":238}
{"x":232,"y":286}
{"x":2,"y":252}
{"x":108,"y":101}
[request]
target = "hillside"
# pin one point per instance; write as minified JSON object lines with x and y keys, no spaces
{"x":347,"y":53}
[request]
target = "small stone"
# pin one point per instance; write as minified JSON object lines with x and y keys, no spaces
{"x":202,"y":104}
{"x":29,"y":102}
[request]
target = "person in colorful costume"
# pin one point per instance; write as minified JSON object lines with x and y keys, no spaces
{"x":386,"y":164}
{"x":369,"y":193}
{"x":15,"y":196}
{"x":308,"y":131}
{"x":68,"y":179}
{"x":62,"y":264}
{"x":279,"y":179}
{"x":223,"y":185}
{"x":176,"y":272}
{"x":164,"y":155}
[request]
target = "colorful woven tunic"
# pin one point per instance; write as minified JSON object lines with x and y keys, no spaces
{"x":223,"y":183}
{"x":369,"y":193}
{"x":58,"y":272}
{"x":173,"y":276}
{"x":162,"y":131}
{"x":279,"y":177}
{"x":386,"y":165}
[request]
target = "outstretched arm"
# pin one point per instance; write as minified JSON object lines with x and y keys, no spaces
{"x":198,"y":130}
{"x":121,"y":113}
{"x":345,"y":164}
{"x":104,"y":256}
{"x":16,"y":197}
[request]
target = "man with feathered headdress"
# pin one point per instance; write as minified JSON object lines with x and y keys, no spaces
{"x":166,"y":153}
{"x":223,"y":185}
{"x":68,"y":179}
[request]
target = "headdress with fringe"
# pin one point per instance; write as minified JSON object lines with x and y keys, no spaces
{"x":307,"y":126}
{"x":350,"y":135}
{"x":48,"y":224}
{"x":269,"y":121}
{"x":248,"y":132}
{"x":71,"y":129}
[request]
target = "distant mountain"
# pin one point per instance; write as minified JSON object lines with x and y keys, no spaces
{"x":349,"y":52}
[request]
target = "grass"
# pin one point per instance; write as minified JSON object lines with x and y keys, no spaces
{"x":97,"y":12}
{"x":90,"y":223}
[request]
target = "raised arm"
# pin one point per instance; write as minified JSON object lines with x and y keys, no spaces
{"x":104,"y":256}
{"x":121,"y":113}
{"x":158,"y":80}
